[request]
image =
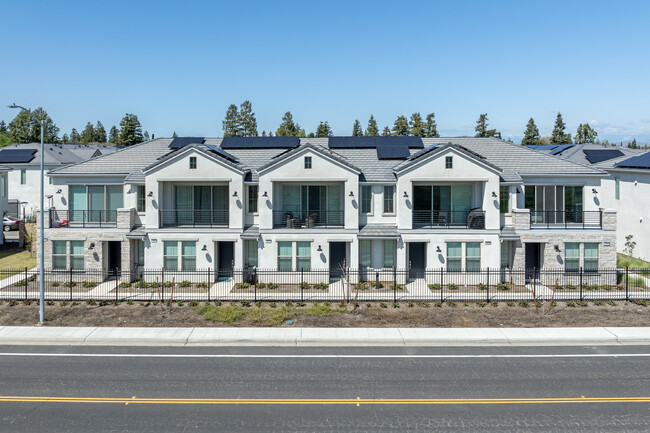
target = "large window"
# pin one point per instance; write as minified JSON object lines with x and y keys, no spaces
{"x":504,"y":199}
{"x":252,"y":198}
{"x":454,"y":256}
{"x":284,"y":256}
{"x":201,"y":204}
{"x":286,"y":251}
{"x":441,"y":204}
{"x":95,"y":203}
{"x":591,"y":257}
{"x":62,"y":257}
{"x":142,"y":198}
{"x":316,"y":204}
{"x":59,"y":255}
{"x":188,"y":258}
{"x":377,"y":253}
{"x":554,"y":203}
{"x":170,"y":255}
{"x":389,"y":253}
{"x":366,"y":199}
{"x":572,"y":257}
{"x":472,"y":256}
{"x":365,"y":253}
{"x":303,"y":256}
{"x":389,"y":199}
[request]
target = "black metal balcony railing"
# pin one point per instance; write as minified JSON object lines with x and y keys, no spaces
{"x":471,"y":219}
{"x":194,"y":218}
{"x":82,"y":218}
{"x":565,"y":219}
{"x":308,"y":219}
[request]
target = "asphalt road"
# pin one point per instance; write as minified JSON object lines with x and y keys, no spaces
{"x":54,"y":389}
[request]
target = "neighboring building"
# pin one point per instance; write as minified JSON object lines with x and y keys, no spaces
{"x":626,"y":188}
{"x":24,"y":179}
{"x":286,"y":203}
{"x":4,"y":195}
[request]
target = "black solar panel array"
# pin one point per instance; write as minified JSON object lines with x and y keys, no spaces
{"x":222,"y":153}
{"x":260,"y":142}
{"x":179,"y":142}
{"x":641,"y":161}
{"x":18,"y":156}
{"x":375,"y":142}
{"x":393,"y":152}
{"x":596,"y":155}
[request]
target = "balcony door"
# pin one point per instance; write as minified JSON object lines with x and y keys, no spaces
{"x":322,"y":203}
{"x":441,"y":204}
{"x":201,"y":204}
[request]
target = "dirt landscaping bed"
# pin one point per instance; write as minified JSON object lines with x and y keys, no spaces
{"x":448,"y":314}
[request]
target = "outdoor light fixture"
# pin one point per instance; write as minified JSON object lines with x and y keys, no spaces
{"x":92,"y":246}
{"x":518,"y":192}
{"x":150,"y":194}
{"x":594,"y":190}
{"x":234,"y":194}
{"x":438,"y":250}
{"x":58,"y":191}
{"x":205,"y":248}
{"x":351,"y":194}
{"x":557,"y":248}
{"x":494,"y":194}
{"x":406,"y":194}
{"x":265,"y":194}
{"x":319,"y":249}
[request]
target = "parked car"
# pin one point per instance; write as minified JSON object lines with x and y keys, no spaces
{"x":10,"y":224}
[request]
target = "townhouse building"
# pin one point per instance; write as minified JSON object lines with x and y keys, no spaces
{"x":287,"y":203}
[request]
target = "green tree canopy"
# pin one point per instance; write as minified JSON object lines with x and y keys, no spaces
{"x":113,"y":135}
{"x":559,"y":136}
{"x":51,"y":130}
{"x":372,"y":129}
{"x":230,"y":124}
{"x":401,"y":126}
{"x":430,"y":127}
{"x":88,"y":134}
{"x":288,"y":128}
{"x":3,"y":127}
{"x":65,"y":139}
{"x":481,"y":128}
{"x":174,"y":135}
{"x":100,"y":133}
{"x":19,"y":128}
{"x":74,"y":136}
{"x":386,"y":131}
{"x":130,"y":131}
{"x":585,"y":134}
{"x":416,"y":126}
{"x":145,"y":136}
{"x":247,"y":120}
{"x":357,"y":131}
{"x":531,"y":134}
{"x":323,"y":130}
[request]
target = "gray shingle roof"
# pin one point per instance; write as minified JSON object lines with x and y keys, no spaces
{"x":62,"y":154}
{"x":316,"y":148}
{"x":378,"y":231}
{"x":433,"y":149}
{"x":576,"y":154}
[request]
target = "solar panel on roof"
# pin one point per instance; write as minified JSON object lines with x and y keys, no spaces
{"x":260,"y":142}
{"x":596,"y":155}
{"x":393,"y":152}
{"x":222,"y":153}
{"x":374,"y":142}
{"x":640,"y":161}
{"x":19,"y":156}
{"x":542,"y":146}
{"x":179,"y":142}
{"x":561,"y":148}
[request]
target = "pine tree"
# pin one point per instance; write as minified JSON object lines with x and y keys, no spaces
{"x":65,"y":139}
{"x":401,"y":126}
{"x":247,"y":121}
{"x":174,"y":135}
{"x":74,"y":136}
{"x":19,"y":129}
{"x":558,"y":136}
{"x":145,"y":136}
{"x":51,"y":130}
{"x":386,"y":131}
{"x":585,"y":134}
{"x":88,"y":134}
{"x":324,"y":130}
{"x":416,"y":127}
{"x":288,"y":128}
{"x":357,"y":131}
{"x":372,"y":129}
{"x":230,"y":124}
{"x":3,"y":127}
{"x":130,"y":130}
{"x":531,"y":134}
{"x":481,"y":127}
{"x":100,"y":133}
{"x":113,"y":135}
{"x":632,"y":144}
{"x":263,"y":133}
{"x":430,"y":127}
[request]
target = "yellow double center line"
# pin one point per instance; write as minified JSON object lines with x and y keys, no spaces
{"x":323,"y":401}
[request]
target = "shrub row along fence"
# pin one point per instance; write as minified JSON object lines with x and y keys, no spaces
{"x":393,"y":285}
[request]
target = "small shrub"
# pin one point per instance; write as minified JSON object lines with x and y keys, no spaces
{"x":125,"y":285}
{"x":397,"y":287}
{"x":272,"y":305}
{"x":437,"y":304}
{"x":155,"y":303}
{"x":74,"y":304}
{"x":273,"y":286}
{"x":452,"y":304}
{"x":289,"y":304}
{"x":55,"y":284}
{"x":129,"y":302}
{"x":502,"y":286}
{"x":482,"y":286}
{"x":538,"y":304}
{"x":91,"y":302}
{"x":69,"y":284}
{"x":62,"y":304}
{"x":383,"y":305}
{"x":342,"y":304}
{"x":582,"y":303}
{"x":202,"y":285}
{"x":230,"y":314}
{"x":115,"y":303}
{"x":611,"y":303}
{"x":319,"y":310}
{"x":395,"y":304}
{"x":12,"y":303}
{"x":320,"y":286}
{"x":304,"y":285}
{"x":168,"y":284}
{"x":452,"y":286}
{"x":368,"y":305}
{"x":606,"y":287}
{"x":217,"y":303}
{"x":510,"y":304}
{"x":242,"y":286}
{"x":49,"y":303}
{"x":245,"y":303}
{"x":27,"y":302}
{"x":411,"y":304}
{"x":193,"y":304}
{"x":570,"y":304}
{"x":423,"y":304}
{"x":361,"y":286}
{"x":301,"y":304}
{"x":481,"y":304}
{"x":524,"y":304}
{"x":599,"y":303}
{"x":185,"y":284}
{"x":376,"y":285}
{"x":569,"y":287}
{"x":88,"y":284}
{"x":329,"y":304}
{"x":494,"y":303}
{"x":179,"y":303}
{"x":258,"y":304}
{"x":434,"y":286}
{"x":641,"y":302}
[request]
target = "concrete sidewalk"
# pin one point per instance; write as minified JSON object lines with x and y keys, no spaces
{"x":99,"y":336}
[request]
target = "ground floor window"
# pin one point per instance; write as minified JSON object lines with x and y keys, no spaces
{"x":59,"y":255}
{"x":473,"y":256}
{"x":591,"y":257}
{"x":288,"y":250}
{"x":139,"y":245}
{"x":187,"y":257}
{"x":377,"y":254}
{"x":572,"y":256}
{"x":62,"y":256}
{"x":454,"y":256}
{"x":251,"y":253}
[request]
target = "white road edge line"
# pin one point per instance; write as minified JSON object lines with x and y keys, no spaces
{"x":370,"y":356}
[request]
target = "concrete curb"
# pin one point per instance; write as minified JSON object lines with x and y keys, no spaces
{"x":100,"y":336}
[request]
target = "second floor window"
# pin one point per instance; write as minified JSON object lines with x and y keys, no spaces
{"x":366,"y":199}
{"x":23,"y":177}
{"x":554,"y":203}
{"x":307,"y":161}
{"x":449,"y":162}
{"x":504,"y":199}
{"x":252,"y":198}
{"x":142,"y":198}
{"x":192,"y":162}
{"x":389,"y":199}
{"x":95,"y":202}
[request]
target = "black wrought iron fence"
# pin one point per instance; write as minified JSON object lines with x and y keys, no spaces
{"x":366,"y":284}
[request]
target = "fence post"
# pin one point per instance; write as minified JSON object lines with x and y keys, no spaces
{"x":442,"y":284}
{"x":209,"y":283}
{"x":255,"y":281}
{"x":162,"y":285}
{"x":117,"y":285}
{"x":627,"y":283}
{"x":580,"y":283}
{"x":26,"y":282}
{"x":70,"y":282}
{"x":487,"y":290}
{"x":302,"y":280}
{"x":395,"y":284}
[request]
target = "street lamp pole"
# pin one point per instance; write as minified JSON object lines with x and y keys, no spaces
{"x":41,"y":241}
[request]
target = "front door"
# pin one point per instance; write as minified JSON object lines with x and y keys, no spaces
{"x":114,"y":257}
{"x":226,"y":255}
{"x":417,"y":259}
{"x":338,"y":254}
{"x":533,"y":260}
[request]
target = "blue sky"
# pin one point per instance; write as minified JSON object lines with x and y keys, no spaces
{"x":178,"y":65}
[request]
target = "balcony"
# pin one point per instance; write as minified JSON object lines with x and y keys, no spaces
{"x":308,"y":219}
{"x":82,"y":218}
{"x":432,"y":219}
{"x":194,"y":218}
{"x":566,"y":220}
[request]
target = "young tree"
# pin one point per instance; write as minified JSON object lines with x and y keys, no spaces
{"x":263,"y":133}
{"x":386,"y":131}
{"x":113,"y":135}
{"x":19,"y":129}
{"x":288,"y":128}
{"x":230,"y":124}
{"x":247,"y":120}
{"x":430,"y":127}
{"x":74,"y":136}
{"x":401,"y":126}
{"x":323,"y":130}
{"x":558,"y":136}
{"x":372,"y":129}
{"x":586,"y":134}
{"x":51,"y":130}
{"x":357,"y":131}
{"x":174,"y":135}
{"x":481,"y":129}
{"x":100,"y":133}
{"x":3,"y":127}
{"x":145,"y":136}
{"x":130,"y":130}
{"x":416,"y":127}
{"x":65,"y":139}
{"x":632,"y":144}
{"x":88,"y":134}
{"x":531,"y":134}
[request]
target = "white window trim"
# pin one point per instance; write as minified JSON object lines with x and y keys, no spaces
{"x":384,"y":200}
{"x":372,"y":201}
